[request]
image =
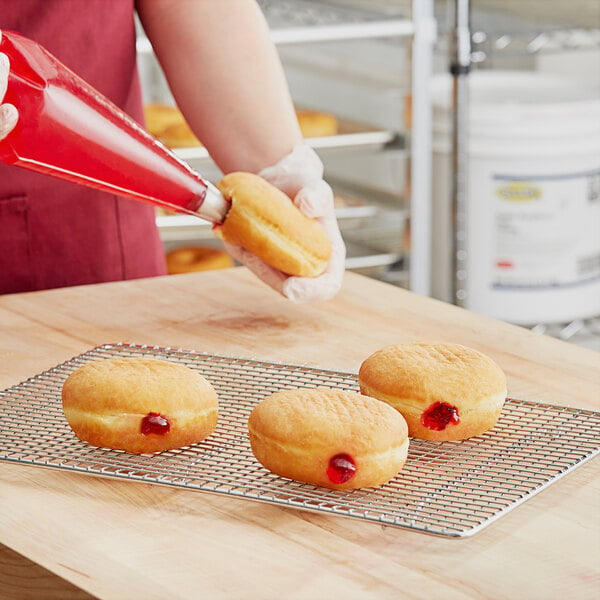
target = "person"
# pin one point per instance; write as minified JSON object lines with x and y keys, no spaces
{"x":226,"y":76}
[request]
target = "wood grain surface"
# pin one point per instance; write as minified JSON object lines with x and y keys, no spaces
{"x":127,"y":540}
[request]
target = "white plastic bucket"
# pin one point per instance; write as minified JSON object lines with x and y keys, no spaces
{"x":532,"y":197}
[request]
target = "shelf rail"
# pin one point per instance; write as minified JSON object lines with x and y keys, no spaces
{"x":350,"y":31}
{"x":420,"y":278}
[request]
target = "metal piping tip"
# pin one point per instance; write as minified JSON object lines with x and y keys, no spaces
{"x":214,"y":207}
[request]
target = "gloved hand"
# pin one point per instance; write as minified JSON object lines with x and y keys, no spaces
{"x":8,"y":113}
{"x":300,"y":176}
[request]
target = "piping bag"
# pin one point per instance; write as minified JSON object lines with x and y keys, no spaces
{"x":69,"y":130}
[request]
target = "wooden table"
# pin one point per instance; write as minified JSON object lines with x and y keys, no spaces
{"x":67,"y":535}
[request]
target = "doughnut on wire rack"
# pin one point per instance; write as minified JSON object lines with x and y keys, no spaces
{"x":450,"y":489}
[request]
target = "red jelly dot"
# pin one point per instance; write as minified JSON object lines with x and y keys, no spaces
{"x":341,"y":468}
{"x":155,"y":423}
{"x":439,"y":415}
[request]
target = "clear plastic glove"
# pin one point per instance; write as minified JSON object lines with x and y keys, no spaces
{"x":8,"y":113}
{"x":300,"y":176}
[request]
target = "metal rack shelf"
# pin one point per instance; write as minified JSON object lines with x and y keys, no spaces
{"x":364,"y":140}
{"x":301,"y":21}
{"x":183,"y":227}
{"x":581,"y":332}
{"x":305,"y":21}
{"x":533,"y":42}
{"x":487,"y":44}
{"x":527,"y":28}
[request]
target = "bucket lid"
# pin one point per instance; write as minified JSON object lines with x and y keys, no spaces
{"x":522,"y":97}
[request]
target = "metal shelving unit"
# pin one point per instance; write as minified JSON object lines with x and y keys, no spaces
{"x":294,"y":22}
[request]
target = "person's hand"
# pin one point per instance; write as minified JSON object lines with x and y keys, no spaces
{"x":8,"y":113}
{"x":300,"y":176}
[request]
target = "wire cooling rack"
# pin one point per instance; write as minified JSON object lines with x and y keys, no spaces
{"x":452,"y":489}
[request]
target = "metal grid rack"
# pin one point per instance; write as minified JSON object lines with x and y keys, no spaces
{"x":452,"y":489}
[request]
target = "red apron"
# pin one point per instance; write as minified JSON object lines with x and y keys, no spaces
{"x":54,"y":233}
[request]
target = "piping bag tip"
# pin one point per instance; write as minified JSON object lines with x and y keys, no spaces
{"x":214,"y":207}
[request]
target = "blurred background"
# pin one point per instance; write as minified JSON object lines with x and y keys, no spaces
{"x":462,"y":140}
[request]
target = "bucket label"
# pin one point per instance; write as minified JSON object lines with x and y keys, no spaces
{"x":547,"y":230}
{"x":519,"y":191}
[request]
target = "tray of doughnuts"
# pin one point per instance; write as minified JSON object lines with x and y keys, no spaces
{"x":322,"y":129}
{"x":440,"y":486}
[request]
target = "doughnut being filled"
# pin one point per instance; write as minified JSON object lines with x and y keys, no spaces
{"x":444,"y":391}
{"x":328,"y":437}
{"x":266,"y":222}
{"x":139,"y":404}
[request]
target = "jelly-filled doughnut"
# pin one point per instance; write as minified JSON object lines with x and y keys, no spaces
{"x":444,"y":391}
{"x":266,"y":222}
{"x":329,"y":437}
{"x":139,"y":404}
